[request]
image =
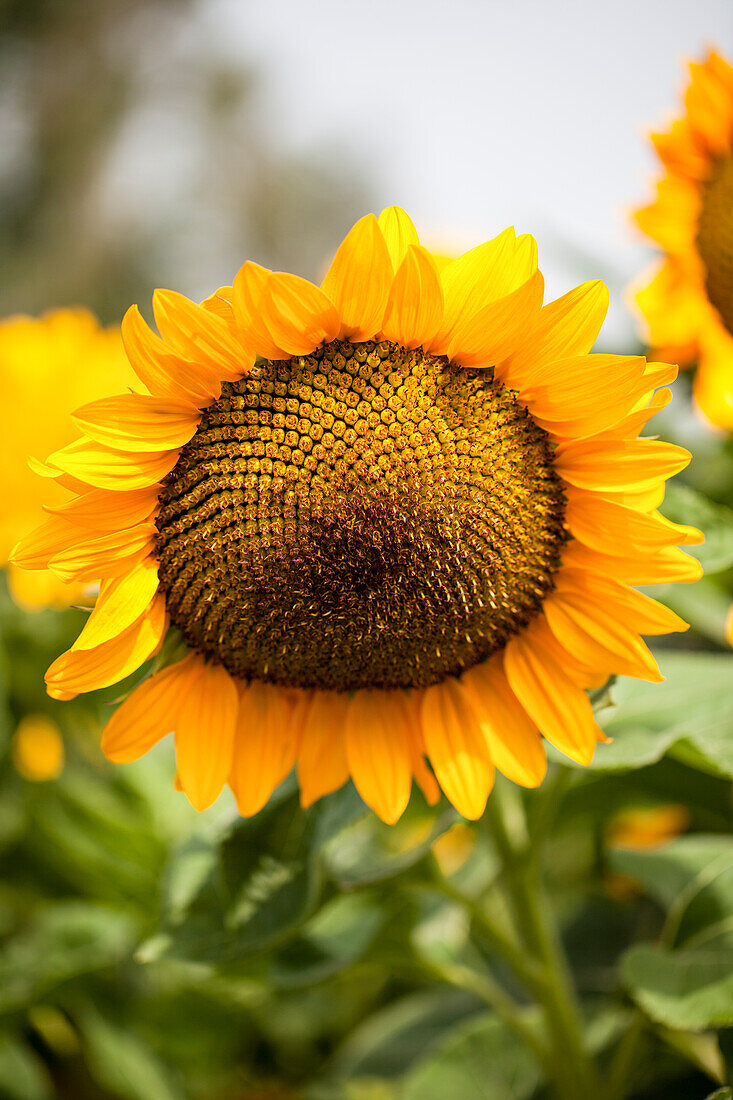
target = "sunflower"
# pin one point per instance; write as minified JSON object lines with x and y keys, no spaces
{"x":392,"y":519}
{"x":47,"y":366}
{"x":688,"y":304}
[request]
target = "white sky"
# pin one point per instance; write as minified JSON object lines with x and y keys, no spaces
{"x":478,"y":115}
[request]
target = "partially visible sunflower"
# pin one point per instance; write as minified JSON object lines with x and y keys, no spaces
{"x":47,"y":366}
{"x":393,"y":517}
{"x":688,"y":305}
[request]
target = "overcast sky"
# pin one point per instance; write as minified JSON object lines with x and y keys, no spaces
{"x":478,"y":115}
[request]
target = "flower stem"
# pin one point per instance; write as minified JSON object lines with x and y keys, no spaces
{"x":575,"y":1074}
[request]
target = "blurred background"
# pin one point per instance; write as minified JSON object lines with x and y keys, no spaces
{"x":150,"y":143}
{"x":160,"y":143}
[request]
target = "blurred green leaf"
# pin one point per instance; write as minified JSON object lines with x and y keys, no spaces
{"x":61,"y":942}
{"x":690,"y":989}
{"x":121,"y":1062}
{"x":693,"y":873}
{"x":691,"y":710}
{"x":726,"y":1093}
{"x":479,"y":1058}
{"x":684,"y":505}
{"x":334,"y":938}
{"x":22,"y":1074}
{"x":368,"y":851}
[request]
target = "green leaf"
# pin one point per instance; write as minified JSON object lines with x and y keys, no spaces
{"x":477,"y":1059}
{"x":22,"y":1074}
{"x":121,"y":1062}
{"x":690,"y":714}
{"x":689,"y":989}
{"x":60,"y":943}
{"x":726,"y":1093}
{"x":340,"y":933}
{"x":684,"y":505}
{"x":368,"y":851}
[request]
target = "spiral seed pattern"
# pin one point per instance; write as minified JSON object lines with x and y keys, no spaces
{"x":366,"y":516}
{"x":715,"y":239}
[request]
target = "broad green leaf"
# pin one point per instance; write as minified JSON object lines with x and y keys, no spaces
{"x":368,"y":851}
{"x":121,"y":1062}
{"x":22,"y":1074}
{"x":61,"y":942}
{"x":684,"y":505}
{"x":476,"y":1060}
{"x":340,"y":933}
{"x":690,"y":989}
{"x":692,"y":708}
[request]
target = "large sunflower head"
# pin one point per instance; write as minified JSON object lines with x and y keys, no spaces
{"x":393,"y":519}
{"x":688,"y":304}
{"x":48,"y":366}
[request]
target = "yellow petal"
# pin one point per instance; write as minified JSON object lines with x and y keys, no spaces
{"x":596,"y":638}
{"x":359,"y":280}
{"x":104,"y":510}
{"x":136,"y":422}
{"x":665,"y":566}
{"x":597,"y":389}
{"x":640,"y":612}
{"x":120,"y":602}
{"x":89,"y":669}
{"x":471,"y":281}
{"x":514,"y":744}
{"x":199,"y":335}
{"x":618,"y":464}
{"x":378,"y":752}
{"x":456,"y":748}
{"x":163,"y":374}
{"x":567,"y":327}
{"x":630,"y":426}
{"x":399,"y":233}
{"x":249,"y":292}
{"x":615,"y":529}
{"x":559,"y":708}
{"x":220,"y":303}
{"x":415,"y":306}
{"x":148,"y":713}
{"x":264,"y":746}
{"x":297,"y":314}
{"x":491,"y":334}
{"x":35,"y":550}
{"x":110,"y":555}
{"x":322,"y":764}
{"x":106,"y":468}
{"x":205,"y":735}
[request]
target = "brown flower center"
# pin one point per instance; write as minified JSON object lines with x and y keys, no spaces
{"x":715,"y":239}
{"x":366,"y":516}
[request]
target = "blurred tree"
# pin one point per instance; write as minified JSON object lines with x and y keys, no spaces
{"x":137,"y":154}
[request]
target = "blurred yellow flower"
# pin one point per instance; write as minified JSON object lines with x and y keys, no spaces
{"x":47,"y":367}
{"x":37,"y":748}
{"x":688,"y":304}
{"x":646,"y":826}
{"x":394,"y":517}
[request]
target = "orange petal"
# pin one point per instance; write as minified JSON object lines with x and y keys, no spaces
{"x":615,"y":529}
{"x":264,"y":746}
{"x":205,"y":735}
{"x":559,"y":708}
{"x":35,"y":550}
{"x":148,"y":713}
{"x":297,"y":314}
{"x":104,"y":510}
{"x":415,"y":306}
{"x":399,"y":233}
{"x":136,"y":422}
{"x":596,"y":390}
{"x":359,"y":280}
{"x":378,"y":752}
{"x":665,"y":566}
{"x":89,"y":669}
{"x":514,"y":743}
{"x":322,"y":765}
{"x":456,"y":748}
{"x":640,"y":612}
{"x":110,"y":555}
